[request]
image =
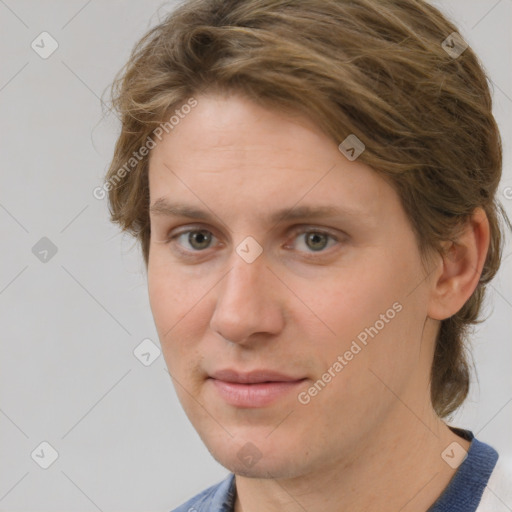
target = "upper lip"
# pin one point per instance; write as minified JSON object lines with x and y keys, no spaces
{"x":252,"y":377}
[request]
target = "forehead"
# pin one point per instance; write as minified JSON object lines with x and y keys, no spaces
{"x":231,"y":151}
{"x":239,"y":131}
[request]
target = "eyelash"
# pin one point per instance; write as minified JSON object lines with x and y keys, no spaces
{"x":295,"y":234}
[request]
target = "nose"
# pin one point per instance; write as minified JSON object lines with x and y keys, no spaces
{"x":248,"y":302}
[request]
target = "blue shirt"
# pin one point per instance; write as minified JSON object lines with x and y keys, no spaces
{"x":463,"y":493}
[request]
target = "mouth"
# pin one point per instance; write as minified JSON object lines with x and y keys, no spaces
{"x":255,"y":389}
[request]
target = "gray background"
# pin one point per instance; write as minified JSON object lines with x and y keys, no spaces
{"x":70,"y":323}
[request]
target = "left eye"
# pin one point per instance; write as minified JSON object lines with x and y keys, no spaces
{"x":315,"y":241}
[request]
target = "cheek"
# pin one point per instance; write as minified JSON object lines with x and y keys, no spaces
{"x":162,"y":299}
{"x":181,"y":308}
{"x":171,"y":293}
{"x":352,"y":300}
{"x":357,"y":386}
{"x":172,"y":303}
{"x":371,"y":315}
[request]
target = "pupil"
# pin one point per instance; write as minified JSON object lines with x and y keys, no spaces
{"x":200,"y":238}
{"x":314,"y":237}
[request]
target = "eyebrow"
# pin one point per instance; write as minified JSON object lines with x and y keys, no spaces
{"x":162,"y":207}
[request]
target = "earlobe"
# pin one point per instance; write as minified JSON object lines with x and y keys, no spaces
{"x":462,"y":263}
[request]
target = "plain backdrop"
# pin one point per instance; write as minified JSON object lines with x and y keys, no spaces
{"x":73,"y":297}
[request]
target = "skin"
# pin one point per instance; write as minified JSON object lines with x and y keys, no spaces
{"x":369,"y":440}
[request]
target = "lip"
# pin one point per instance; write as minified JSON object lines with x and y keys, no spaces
{"x":254,"y":389}
{"x":252,"y":377}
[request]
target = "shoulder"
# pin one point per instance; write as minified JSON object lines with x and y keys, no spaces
{"x":465,"y":490}
{"x":497,"y":495}
{"x":217,"y":498}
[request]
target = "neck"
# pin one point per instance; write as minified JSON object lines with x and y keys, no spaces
{"x":398,"y":469}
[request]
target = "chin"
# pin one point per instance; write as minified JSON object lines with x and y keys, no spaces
{"x":259,"y":459}
{"x":262,"y":469}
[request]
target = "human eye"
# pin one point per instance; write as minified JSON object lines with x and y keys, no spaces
{"x":313,"y":241}
{"x":190,"y":241}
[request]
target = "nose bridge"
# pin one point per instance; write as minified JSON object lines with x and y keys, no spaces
{"x":243,"y":285}
{"x":245,"y":302}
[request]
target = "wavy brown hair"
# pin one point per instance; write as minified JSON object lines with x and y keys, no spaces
{"x":376,"y":69}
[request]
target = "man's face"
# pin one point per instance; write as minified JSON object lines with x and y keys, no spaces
{"x":335,"y":303}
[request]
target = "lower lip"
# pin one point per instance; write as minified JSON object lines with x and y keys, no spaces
{"x":254,"y":395}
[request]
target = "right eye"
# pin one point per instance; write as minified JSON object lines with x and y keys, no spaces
{"x":198,"y":240}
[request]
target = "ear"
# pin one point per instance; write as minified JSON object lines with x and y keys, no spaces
{"x":460,"y":267}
